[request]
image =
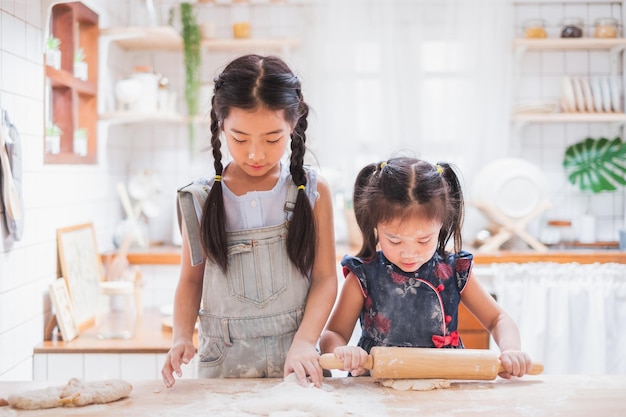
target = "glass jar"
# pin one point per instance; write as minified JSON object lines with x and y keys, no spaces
{"x":606,"y":27}
{"x":116,"y":315}
{"x":535,"y":29}
{"x":240,"y":12}
{"x":572,"y":28}
{"x":558,"y":233}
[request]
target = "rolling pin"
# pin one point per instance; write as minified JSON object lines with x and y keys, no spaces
{"x":428,"y":363}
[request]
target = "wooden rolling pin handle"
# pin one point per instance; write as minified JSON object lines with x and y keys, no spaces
{"x":535,"y":369}
{"x":330,"y":361}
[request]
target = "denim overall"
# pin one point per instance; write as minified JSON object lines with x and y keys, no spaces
{"x":249,"y":317}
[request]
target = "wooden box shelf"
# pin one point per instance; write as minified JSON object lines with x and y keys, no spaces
{"x":73,"y":103}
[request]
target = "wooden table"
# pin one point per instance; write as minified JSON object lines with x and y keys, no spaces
{"x":170,"y":255}
{"x":545,"y":395}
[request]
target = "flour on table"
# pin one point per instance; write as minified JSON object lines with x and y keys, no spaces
{"x":414,"y":384}
{"x":289,"y":398}
{"x":75,"y":393}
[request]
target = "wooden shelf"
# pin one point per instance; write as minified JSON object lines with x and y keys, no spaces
{"x":570,"y":44}
{"x":166,"y":38}
{"x":162,"y":38}
{"x":73,"y":103}
{"x":570,"y":117}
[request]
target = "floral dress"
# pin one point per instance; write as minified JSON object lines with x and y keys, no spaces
{"x":411,"y":309}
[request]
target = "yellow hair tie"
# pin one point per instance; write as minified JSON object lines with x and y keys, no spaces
{"x":382,"y":165}
{"x":218,"y":178}
{"x":439,"y":169}
{"x":301,"y":187}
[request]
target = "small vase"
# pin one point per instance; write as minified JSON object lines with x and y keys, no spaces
{"x":53,"y":58}
{"x":81,"y":70}
{"x":53,"y":144}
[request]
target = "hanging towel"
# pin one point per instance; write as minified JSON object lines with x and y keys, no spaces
{"x":15,"y":227}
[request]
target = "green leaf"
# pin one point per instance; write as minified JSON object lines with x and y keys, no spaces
{"x":596,"y":165}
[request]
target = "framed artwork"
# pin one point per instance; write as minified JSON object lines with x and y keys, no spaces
{"x":81,"y":267}
{"x":63,"y":309}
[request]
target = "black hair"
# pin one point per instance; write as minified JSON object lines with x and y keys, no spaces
{"x":249,"y":82}
{"x":404,"y":187}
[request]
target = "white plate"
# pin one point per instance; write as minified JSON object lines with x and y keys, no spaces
{"x":538,"y":107}
{"x":584,"y":83}
{"x":596,"y":91}
{"x":606,"y":94}
{"x":513,"y":185}
{"x":581,"y":106}
{"x":615,"y":95}
{"x":567,"y":93}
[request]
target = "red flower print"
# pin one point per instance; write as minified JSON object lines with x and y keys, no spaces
{"x":443,"y":271}
{"x":398,"y":278}
{"x":382,"y":324}
{"x":462,"y":265}
{"x":368,"y":303}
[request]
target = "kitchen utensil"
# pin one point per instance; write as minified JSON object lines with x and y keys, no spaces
{"x":9,"y":191}
{"x":404,"y":362}
{"x":596,"y":91}
{"x":567,"y":94}
{"x":581,"y":105}
{"x":606,"y":94}
{"x":586,"y":88}
{"x":615,"y":95}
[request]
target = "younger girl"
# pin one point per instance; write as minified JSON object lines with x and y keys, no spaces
{"x":408,"y":292}
{"x":258,"y":258}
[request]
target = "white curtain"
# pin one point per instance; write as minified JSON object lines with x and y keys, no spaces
{"x":427,"y":78}
{"x":571,"y":317}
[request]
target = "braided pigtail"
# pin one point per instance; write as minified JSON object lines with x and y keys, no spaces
{"x":302,"y":233}
{"x":213,"y":229}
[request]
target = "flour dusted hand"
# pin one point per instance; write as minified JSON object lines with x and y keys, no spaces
{"x":75,"y":393}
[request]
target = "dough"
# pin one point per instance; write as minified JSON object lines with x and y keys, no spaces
{"x":414,"y":384}
{"x":75,"y":394}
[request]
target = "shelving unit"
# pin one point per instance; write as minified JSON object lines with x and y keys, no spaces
{"x":73,"y":102}
{"x":167,"y":39}
{"x":615,"y":46}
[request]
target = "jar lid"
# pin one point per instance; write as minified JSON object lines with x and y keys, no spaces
{"x":117,"y":287}
{"x":532,"y":23}
{"x":572,"y":21}
{"x":608,"y":21}
{"x":560,"y":223}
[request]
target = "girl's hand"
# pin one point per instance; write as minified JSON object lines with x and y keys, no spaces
{"x":303,"y":360}
{"x":180,"y":353}
{"x":353,"y":358}
{"x":515,"y":363}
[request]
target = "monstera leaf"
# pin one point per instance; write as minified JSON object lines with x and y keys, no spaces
{"x":596,"y":164}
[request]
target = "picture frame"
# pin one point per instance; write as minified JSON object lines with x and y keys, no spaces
{"x":81,"y":268}
{"x":63,"y":310}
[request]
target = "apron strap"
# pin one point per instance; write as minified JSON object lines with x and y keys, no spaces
{"x":186,"y":211}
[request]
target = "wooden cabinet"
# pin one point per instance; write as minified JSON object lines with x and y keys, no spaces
{"x":473,"y":334}
{"x":72,"y":102}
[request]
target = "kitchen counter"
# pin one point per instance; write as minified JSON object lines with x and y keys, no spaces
{"x":544,"y":395}
{"x":170,"y":255}
{"x":151,"y":336}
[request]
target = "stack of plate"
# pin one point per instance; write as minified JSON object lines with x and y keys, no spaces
{"x":590,"y":95}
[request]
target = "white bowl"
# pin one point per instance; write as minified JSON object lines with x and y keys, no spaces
{"x":128,"y":91}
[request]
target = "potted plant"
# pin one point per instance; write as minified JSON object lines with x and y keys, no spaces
{"x":192,"y":53}
{"x":53,"y":53}
{"x":595,"y":165}
{"x":80,"y":142}
{"x":53,"y":139}
{"x":80,"y":66}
